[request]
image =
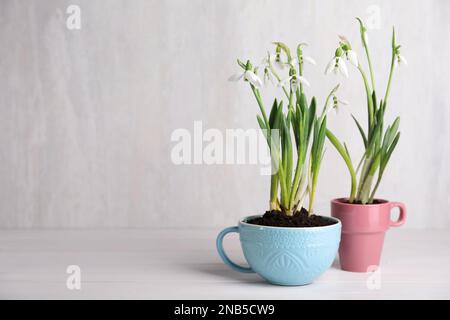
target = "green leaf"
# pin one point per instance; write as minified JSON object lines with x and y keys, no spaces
{"x":361,"y":131}
{"x":390,"y":134}
{"x":374,"y":100}
{"x":261,"y":123}
{"x":346,"y":150}
{"x":241,"y":64}
{"x":388,"y":154}
{"x":273,"y":113}
{"x":311,"y":116}
{"x":303,"y":103}
{"x":332,"y":138}
{"x":368,"y":178}
{"x":278,"y":117}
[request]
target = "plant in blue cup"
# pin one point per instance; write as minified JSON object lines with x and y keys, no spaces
{"x":294,"y":127}
{"x":289,"y":244}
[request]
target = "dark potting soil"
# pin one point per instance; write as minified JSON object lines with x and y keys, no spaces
{"x":300,"y":218}
{"x":375,"y":201}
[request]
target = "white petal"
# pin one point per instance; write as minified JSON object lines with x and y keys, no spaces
{"x":395,"y":62}
{"x":343,"y":39}
{"x":294,"y":84}
{"x":272,"y":57}
{"x":342,"y":67}
{"x":303,"y":80}
{"x":403,"y":60}
{"x":352,"y":57}
{"x":309,"y":60}
{"x":330,"y":65}
{"x":283,"y":82}
{"x":279,"y":64}
{"x":253,"y":78}
{"x":236,"y":77}
{"x":294,"y":62}
{"x":336,"y":109}
{"x":264,"y":61}
{"x":268,"y":77}
{"x":271,"y":78}
{"x":343,"y":102}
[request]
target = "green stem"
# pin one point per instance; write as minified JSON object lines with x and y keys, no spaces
{"x":370,"y":65}
{"x":369,"y":96}
{"x":275,"y":154}
{"x":260,"y":104}
{"x":390,"y":79}
{"x":325,"y":107}
{"x":295,"y":186}
{"x":312,"y":194}
{"x":278,"y":79}
{"x":300,"y":72}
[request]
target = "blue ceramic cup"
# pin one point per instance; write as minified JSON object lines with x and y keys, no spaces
{"x":284,"y":256}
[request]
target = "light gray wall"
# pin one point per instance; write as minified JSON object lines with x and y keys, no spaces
{"x":86,"y":115}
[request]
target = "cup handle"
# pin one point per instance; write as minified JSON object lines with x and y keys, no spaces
{"x":402,"y":217}
{"x":222,"y":254}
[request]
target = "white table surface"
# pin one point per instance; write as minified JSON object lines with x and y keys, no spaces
{"x":183,"y":264}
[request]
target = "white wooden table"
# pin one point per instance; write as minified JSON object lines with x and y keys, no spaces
{"x":183,"y":264}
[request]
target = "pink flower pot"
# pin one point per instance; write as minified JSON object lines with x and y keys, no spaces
{"x":363,"y":228}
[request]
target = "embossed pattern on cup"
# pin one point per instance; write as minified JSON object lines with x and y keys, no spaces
{"x":286,"y":256}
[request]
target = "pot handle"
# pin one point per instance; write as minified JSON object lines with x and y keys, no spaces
{"x":402,"y":216}
{"x":222,"y":254}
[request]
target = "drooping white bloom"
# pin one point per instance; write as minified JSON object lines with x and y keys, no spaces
{"x":342,"y":67}
{"x":399,"y":60}
{"x":293,"y":62}
{"x":352,"y":57}
{"x":337,"y":64}
{"x":294,"y":82}
{"x":330,"y":66}
{"x":309,"y":60}
{"x":268,"y":76}
{"x":337,"y":103}
{"x":276,"y":61}
{"x":248,"y":75}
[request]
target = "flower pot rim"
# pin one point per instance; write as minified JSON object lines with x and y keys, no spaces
{"x":244,"y":222}
{"x":342,"y":201}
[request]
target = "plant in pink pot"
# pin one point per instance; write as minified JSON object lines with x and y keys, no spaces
{"x":365,"y":218}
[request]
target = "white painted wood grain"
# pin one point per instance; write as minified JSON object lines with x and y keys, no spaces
{"x":86,"y":115}
{"x":183,"y":264}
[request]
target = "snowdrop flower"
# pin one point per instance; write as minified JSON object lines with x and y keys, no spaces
{"x":293,"y":62}
{"x":337,"y":103}
{"x":337,"y":64}
{"x":294,"y":82}
{"x":275,"y":60}
{"x":399,"y":60}
{"x":309,"y":60}
{"x":249,"y":76}
{"x":266,"y":66}
{"x":268,"y":76}
{"x":352,"y":57}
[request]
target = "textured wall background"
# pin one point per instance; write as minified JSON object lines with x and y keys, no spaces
{"x":86,"y":115}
